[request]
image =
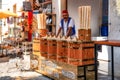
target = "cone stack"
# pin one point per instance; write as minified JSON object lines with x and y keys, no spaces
{"x":41,"y":18}
{"x":84,"y":31}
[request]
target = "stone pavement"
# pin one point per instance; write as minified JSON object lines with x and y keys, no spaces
{"x":29,"y":75}
{"x":12,"y":70}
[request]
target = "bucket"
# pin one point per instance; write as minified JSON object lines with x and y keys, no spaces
{"x":104,"y":31}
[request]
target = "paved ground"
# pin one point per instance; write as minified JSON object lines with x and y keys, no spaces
{"x":29,"y":75}
{"x":9,"y":70}
{"x":106,"y":77}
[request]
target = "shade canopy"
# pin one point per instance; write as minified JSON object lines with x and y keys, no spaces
{"x":5,"y":14}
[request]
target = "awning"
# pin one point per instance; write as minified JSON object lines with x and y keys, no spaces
{"x":5,"y":14}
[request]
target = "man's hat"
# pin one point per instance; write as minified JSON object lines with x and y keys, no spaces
{"x":64,"y":11}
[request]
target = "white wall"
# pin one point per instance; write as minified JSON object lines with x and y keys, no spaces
{"x":57,"y":7}
{"x":95,"y":15}
{"x":9,"y":4}
{"x":114,"y":32}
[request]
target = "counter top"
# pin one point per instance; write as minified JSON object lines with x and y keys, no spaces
{"x":109,"y":42}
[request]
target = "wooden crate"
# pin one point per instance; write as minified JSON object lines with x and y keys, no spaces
{"x":81,"y":34}
{"x":53,"y":57}
{"x":62,"y":51}
{"x":71,"y":72}
{"x":81,"y":53}
{"x":36,"y":44}
{"x":36,"y":52}
{"x":84,"y":34}
{"x":63,"y":71}
{"x":88,"y":34}
{"x":62,"y":48}
{"x":43,"y":54}
{"x":52,"y":49}
{"x":62,"y":59}
{"x":44,"y":47}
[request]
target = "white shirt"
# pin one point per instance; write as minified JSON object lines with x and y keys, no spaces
{"x":71,"y":23}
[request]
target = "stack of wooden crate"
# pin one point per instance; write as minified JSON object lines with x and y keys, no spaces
{"x":62,"y":59}
{"x":81,"y":53}
{"x":71,"y":52}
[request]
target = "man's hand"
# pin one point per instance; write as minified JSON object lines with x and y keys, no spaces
{"x":66,"y":37}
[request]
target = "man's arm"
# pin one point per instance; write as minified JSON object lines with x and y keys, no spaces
{"x":71,"y":24}
{"x":59,"y":30}
{"x":69,"y":31}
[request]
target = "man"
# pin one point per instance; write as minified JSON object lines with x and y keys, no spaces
{"x":66,"y":25}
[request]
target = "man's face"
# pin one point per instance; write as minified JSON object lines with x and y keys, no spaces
{"x":65,"y":16}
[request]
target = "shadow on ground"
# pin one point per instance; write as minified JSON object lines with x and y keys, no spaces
{"x":24,"y":78}
{"x":106,"y":77}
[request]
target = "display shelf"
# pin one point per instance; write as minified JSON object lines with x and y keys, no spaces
{"x":50,"y":25}
{"x":51,"y":17}
{"x":46,"y":2}
{"x":45,"y":6}
{"x":51,"y":14}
